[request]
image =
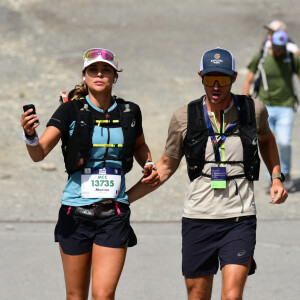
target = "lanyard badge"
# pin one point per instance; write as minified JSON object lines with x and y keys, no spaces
{"x":218,"y":178}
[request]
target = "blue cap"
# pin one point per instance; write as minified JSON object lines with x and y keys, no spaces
{"x":280,"y":38}
{"x":217,"y":60}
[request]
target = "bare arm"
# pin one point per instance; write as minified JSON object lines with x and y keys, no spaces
{"x":247,"y":83}
{"x":142,"y":151}
{"x":142,"y":154}
{"x":166,"y":167}
{"x":47,"y":141}
{"x":269,"y":153}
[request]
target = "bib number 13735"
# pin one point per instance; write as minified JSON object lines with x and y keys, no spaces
{"x":100,"y":183}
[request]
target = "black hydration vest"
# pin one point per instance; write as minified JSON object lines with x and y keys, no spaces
{"x":77,"y":148}
{"x":197,"y":136}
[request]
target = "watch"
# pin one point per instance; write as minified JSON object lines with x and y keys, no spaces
{"x":279,"y":176}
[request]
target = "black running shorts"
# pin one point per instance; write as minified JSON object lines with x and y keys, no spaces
{"x":76,"y":235}
{"x":208,"y":244}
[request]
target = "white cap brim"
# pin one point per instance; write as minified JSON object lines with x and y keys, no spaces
{"x":88,"y":62}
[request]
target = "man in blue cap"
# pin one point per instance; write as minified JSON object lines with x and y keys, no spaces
{"x":219,"y":134}
{"x":274,"y":74}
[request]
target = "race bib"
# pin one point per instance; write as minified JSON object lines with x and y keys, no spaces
{"x":100,"y":183}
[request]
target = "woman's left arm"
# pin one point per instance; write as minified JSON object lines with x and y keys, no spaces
{"x":143,"y":156}
{"x":142,"y":151}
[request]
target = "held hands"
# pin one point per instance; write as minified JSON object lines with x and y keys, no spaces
{"x":27,"y":122}
{"x":151,"y":176}
{"x":277,"y":192}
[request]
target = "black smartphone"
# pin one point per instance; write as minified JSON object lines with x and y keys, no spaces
{"x":29,"y":106}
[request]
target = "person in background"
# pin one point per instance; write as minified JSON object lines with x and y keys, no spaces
{"x":277,"y":25}
{"x":276,"y":88}
{"x":100,"y":135}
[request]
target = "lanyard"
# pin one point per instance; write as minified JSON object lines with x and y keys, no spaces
{"x":217,"y":141}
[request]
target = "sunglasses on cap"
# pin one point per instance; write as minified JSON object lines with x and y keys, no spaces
{"x":105,"y":54}
{"x":222,"y":80}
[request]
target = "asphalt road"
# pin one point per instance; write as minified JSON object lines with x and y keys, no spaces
{"x":31,"y":268}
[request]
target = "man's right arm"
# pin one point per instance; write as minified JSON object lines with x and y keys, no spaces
{"x":170,"y":160}
{"x":166,"y":167}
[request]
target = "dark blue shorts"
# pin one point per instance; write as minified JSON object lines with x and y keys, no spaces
{"x":208,"y":244}
{"x":76,"y":235}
